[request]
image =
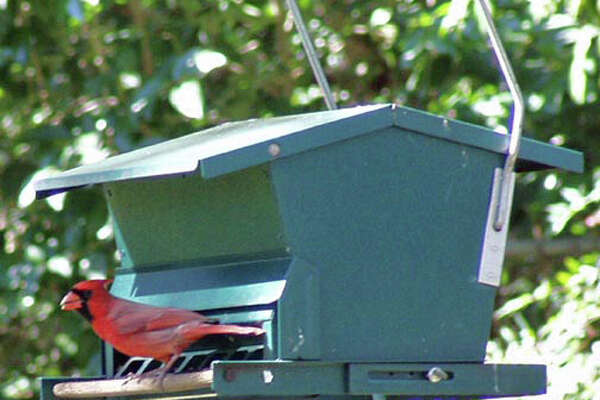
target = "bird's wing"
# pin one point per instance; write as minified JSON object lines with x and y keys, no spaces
{"x":129,"y":317}
{"x":159,"y":344}
{"x":169,"y":317}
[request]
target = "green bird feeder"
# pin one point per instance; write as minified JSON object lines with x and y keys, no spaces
{"x":360,"y":238}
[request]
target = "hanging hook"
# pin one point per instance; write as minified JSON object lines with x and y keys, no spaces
{"x":313,"y":59}
{"x":517,"y":120}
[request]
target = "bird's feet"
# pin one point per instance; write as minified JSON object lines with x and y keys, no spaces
{"x":156,"y":375}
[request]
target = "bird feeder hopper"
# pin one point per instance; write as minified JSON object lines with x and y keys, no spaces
{"x":361,"y":239}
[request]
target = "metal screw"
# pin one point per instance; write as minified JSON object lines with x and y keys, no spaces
{"x":436,"y":375}
{"x":267,"y":376}
{"x":274,"y":149}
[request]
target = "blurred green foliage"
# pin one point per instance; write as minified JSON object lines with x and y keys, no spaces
{"x":83,"y":79}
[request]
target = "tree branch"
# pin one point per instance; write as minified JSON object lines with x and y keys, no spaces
{"x":552,"y":247}
{"x":139,"y":19}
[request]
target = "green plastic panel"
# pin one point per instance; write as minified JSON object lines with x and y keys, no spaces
{"x":234,"y":146}
{"x":300,"y":379}
{"x":532,"y":154}
{"x":489,"y":380}
{"x":280,"y":378}
{"x":169,"y":220}
{"x":298,"y":313}
{"x":306,"y":136}
{"x":392,"y":223}
{"x":184,"y":154}
{"x":198,"y":286}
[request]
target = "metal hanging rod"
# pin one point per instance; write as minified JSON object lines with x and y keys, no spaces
{"x":508,"y":74}
{"x":313,"y":59}
{"x":517,"y":120}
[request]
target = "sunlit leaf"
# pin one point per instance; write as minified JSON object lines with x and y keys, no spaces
{"x":577,"y":71}
{"x":457,"y":12}
{"x":573,"y":7}
{"x":380,"y":16}
{"x":61,"y":266}
{"x":187,"y":99}
{"x":514,"y":305}
{"x":130,"y":80}
{"x":207,"y":60}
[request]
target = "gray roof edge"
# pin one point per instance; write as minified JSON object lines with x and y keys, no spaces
{"x":533,"y":155}
{"x":237,"y":145}
{"x":126,"y":166}
{"x":294,"y":143}
{"x":74,"y":179}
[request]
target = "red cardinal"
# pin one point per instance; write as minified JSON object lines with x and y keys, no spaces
{"x":142,"y":330}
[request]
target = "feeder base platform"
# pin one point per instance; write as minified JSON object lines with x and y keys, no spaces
{"x":291,"y":378}
{"x":311,"y":378}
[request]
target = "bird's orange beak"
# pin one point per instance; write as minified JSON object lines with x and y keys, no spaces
{"x":71,"y":301}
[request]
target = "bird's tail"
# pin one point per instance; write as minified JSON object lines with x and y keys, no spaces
{"x":234,"y":330}
{"x":198,"y":330}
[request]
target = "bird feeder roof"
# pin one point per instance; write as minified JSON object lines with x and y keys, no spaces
{"x":238,"y":145}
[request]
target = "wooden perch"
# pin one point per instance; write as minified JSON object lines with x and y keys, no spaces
{"x":130,"y":387}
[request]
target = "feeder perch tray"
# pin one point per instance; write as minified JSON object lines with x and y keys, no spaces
{"x":301,"y":379}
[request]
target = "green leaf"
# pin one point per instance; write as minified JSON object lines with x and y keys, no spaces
{"x":187,"y":99}
{"x":577,"y":72}
{"x":48,"y":134}
{"x":514,"y":305}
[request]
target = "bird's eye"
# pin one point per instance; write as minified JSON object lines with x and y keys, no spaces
{"x":84,"y":294}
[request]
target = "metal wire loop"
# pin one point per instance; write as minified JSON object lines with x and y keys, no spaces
{"x":517,"y":118}
{"x":313,"y":59}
